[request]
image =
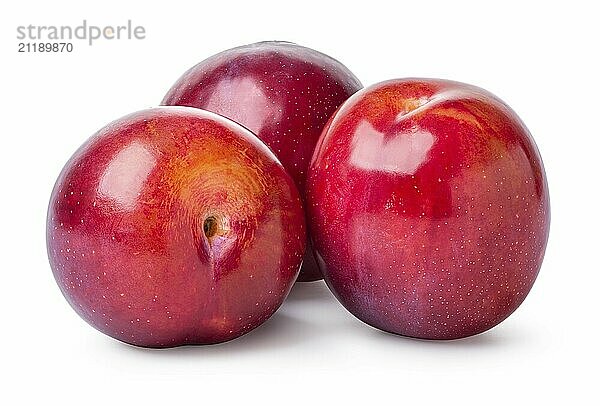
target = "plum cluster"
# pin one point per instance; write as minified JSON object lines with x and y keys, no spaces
{"x":423,"y":203}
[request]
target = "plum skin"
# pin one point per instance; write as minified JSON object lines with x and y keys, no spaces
{"x":174,"y":226}
{"x":282,"y":92}
{"x":429,"y":208}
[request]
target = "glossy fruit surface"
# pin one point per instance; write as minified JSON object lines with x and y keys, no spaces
{"x":175,"y":226}
{"x":282,"y":92}
{"x":429,"y":208}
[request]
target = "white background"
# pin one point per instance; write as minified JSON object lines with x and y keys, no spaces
{"x":540,"y":57}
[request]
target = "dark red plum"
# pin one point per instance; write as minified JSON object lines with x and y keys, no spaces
{"x":175,"y":226}
{"x":429,"y":208}
{"x":283,"y":92}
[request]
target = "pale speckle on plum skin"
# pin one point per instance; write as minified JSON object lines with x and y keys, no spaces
{"x":479,"y":258}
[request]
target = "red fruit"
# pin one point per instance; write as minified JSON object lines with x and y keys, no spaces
{"x":282,"y":92}
{"x":429,"y":208}
{"x":175,"y":226}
